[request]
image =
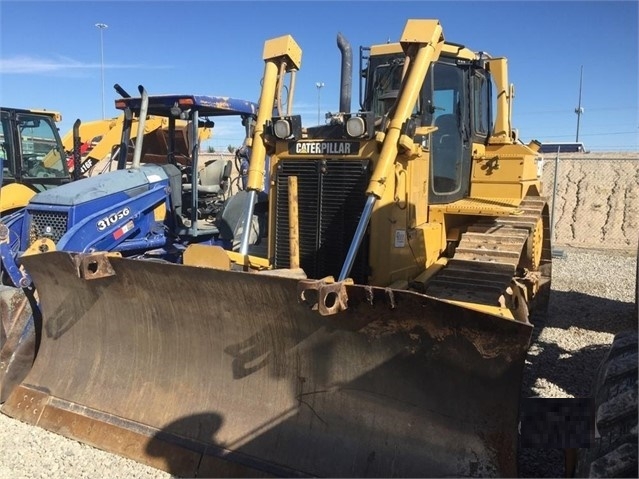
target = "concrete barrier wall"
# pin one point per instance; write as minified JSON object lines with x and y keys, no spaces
{"x":596,"y":202}
{"x":596,"y":199}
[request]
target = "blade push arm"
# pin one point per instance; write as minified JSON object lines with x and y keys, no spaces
{"x":422,"y":42}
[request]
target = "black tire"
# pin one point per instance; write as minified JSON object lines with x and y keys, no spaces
{"x":614,"y":451}
{"x":636,"y":312}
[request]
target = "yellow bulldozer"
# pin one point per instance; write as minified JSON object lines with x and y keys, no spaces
{"x":379,"y":329}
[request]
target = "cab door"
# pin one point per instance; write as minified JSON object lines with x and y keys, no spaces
{"x":39,"y":159}
{"x":450,"y":144}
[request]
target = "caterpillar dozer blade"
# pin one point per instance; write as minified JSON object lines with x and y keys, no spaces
{"x":207,"y":372}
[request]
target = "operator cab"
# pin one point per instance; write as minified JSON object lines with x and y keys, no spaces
{"x":31,"y":150}
{"x":198,"y":191}
{"x":455,"y":98}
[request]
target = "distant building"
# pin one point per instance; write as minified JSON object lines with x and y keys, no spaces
{"x":568,"y":147}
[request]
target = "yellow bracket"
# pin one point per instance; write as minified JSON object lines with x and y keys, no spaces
{"x":39,"y":246}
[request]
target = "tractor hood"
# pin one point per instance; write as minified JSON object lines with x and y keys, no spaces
{"x":130,"y":182}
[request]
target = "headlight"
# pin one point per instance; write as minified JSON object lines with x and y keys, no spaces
{"x":355,"y":127}
{"x":285,"y":127}
{"x":359,"y":125}
{"x":282,"y":129}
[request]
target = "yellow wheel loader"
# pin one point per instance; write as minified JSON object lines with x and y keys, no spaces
{"x":379,"y":329}
{"x":32,"y":155}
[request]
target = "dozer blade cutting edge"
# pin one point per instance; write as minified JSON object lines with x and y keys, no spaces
{"x":205,"y":372}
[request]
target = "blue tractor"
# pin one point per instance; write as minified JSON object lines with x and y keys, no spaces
{"x":150,"y":206}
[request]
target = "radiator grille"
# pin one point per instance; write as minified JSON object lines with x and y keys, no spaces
{"x":47,"y":224}
{"x":331,"y":197}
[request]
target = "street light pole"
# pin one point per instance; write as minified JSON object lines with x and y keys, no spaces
{"x":579,"y":111}
{"x":102,"y":27}
{"x":319,"y":86}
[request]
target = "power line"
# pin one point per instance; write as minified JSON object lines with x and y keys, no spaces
{"x":614,"y":147}
{"x":594,"y":134}
{"x":102,"y":27}
{"x":543,"y":112}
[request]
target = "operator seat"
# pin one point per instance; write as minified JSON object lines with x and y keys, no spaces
{"x":447,"y":131}
{"x":447,"y":153}
{"x":175,"y":185}
{"x":213,"y":178}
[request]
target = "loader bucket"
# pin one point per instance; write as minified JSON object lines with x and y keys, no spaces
{"x":204,"y":372}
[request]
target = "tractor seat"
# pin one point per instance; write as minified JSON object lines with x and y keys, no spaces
{"x":213,"y":177}
{"x":447,"y":129}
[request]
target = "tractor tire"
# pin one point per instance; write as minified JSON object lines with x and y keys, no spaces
{"x":614,"y":451}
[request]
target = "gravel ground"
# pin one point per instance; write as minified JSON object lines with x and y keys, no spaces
{"x":593,"y":294}
{"x":592,"y":298}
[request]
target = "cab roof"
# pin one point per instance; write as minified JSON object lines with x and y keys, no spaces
{"x":161,"y":105}
{"x":57,"y":116}
{"x":448,"y":49}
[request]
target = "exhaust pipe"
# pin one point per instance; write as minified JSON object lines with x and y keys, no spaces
{"x":346,"y":81}
{"x":77,"y":155}
{"x":122,"y":92}
{"x":144,"y":107}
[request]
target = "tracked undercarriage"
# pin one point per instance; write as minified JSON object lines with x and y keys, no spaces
{"x":501,"y":262}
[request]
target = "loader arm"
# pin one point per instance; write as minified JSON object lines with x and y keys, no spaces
{"x":90,"y":130}
{"x":422,"y":42}
{"x":281,"y":55}
{"x":502,"y":131}
{"x":9,"y":245}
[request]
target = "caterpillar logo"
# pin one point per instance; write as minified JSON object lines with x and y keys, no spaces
{"x":324,"y":148}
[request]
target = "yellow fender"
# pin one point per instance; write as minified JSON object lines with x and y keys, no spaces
{"x":15,"y":196}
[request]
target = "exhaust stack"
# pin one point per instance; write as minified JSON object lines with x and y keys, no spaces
{"x":346,"y":80}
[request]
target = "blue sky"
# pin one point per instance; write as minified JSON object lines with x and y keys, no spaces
{"x":50,"y":55}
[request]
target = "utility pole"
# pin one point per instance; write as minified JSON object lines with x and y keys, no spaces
{"x":102,"y":27}
{"x":319,"y":86}
{"x":579,"y":111}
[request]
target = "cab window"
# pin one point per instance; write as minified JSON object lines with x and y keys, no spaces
{"x":41,"y":153}
{"x":5,"y":149}
{"x":446,"y":141}
{"x":481,"y":105}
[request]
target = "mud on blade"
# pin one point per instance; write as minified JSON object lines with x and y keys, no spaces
{"x":208,"y":372}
